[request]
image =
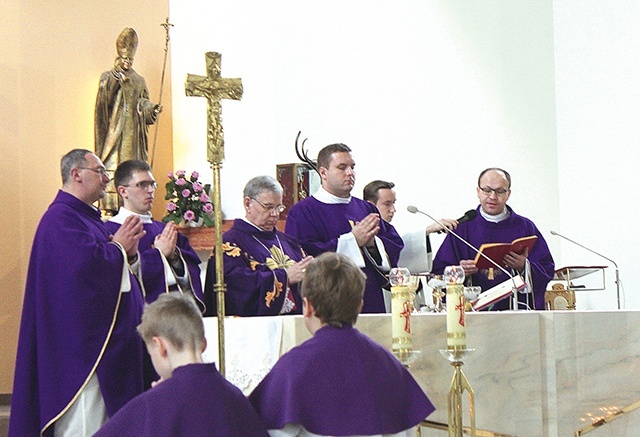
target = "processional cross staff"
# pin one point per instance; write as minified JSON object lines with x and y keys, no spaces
{"x":215,"y":88}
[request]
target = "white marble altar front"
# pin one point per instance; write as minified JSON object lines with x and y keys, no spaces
{"x":535,"y":373}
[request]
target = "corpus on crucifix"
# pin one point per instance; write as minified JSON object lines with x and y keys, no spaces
{"x":215,"y":88}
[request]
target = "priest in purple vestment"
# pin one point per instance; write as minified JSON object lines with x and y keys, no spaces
{"x":192,"y":398}
{"x":496,"y":222}
{"x":167,"y":262}
{"x":333,"y":221}
{"x":79,"y":359}
{"x":339,"y":382}
{"x":262,"y":266}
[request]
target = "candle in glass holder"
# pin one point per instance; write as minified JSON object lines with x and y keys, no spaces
{"x":456,"y":329}
{"x":402,"y":293}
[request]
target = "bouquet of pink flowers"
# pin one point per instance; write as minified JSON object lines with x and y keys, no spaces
{"x":189,"y":200}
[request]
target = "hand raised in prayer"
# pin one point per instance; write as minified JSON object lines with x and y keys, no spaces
{"x":469,"y":267}
{"x":129,"y":234}
{"x":166,"y":240}
{"x":366,"y":230}
{"x":516,"y":261}
{"x":435,"y":227}
{"x":295,"y":272}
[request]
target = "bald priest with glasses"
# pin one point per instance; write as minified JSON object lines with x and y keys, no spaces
{"x":263,"y":267}
{"x":497,"y":222}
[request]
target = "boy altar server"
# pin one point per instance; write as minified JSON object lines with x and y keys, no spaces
{"x":191,"y":398}
{"x":339,"y":382}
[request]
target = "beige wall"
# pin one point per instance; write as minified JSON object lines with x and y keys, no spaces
{"x":52,"y":57}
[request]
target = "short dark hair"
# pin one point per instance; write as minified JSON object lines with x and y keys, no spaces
{"x":324,"y":155}
{"x":334,"y":286}
{"x":370,"y":191}
{"x":126,"y":169}
{"x":73,"y":159}
{"x":506,"y":174}
{"x":175,"y":317}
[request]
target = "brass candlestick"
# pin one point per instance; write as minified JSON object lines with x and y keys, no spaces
{"x":457,"y":350}
{"x":459,"y":384}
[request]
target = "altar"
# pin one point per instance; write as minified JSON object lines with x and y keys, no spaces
{"x":534,"y":373}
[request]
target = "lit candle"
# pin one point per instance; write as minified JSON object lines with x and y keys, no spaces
{"x":456,"y":329}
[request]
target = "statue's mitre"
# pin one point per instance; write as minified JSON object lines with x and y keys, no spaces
{"x":127,"y":43}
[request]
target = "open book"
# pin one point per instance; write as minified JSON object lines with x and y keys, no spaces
{"x":497,"y":251}
{"x":499,"y":292}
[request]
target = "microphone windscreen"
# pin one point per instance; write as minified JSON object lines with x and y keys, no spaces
{"x":468,"y":216}
{"x":412,"y":209}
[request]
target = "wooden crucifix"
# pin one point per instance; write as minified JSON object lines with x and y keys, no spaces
{"x":215,"y":88}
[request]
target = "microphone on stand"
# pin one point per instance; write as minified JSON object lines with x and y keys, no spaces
{"x":412,"y":209}
{"x":467,"y":217}
{"x":601,"y":256}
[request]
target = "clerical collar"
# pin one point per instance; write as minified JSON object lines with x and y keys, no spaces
{"x":326,"y":197}
{"x":123,"y":213}
{"x":496,"y":218}
{"x":257,"y":227}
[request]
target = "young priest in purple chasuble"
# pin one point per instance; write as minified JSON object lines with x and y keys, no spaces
{"x":79,"y":359}
{"x":262,"y":266}
{"x":497,"y":222}
{"x":331,"y":220}
{"x":167,"y":261}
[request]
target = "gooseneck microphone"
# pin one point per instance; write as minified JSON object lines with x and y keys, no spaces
{"x":412,"y":209}
{"x":601,"y":256}
{"x":467,"y":217}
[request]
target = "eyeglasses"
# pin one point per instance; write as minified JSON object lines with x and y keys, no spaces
{"x":145,"y":185}
{"x":100,"y":170}
{"x":499,"y":191}
{"x":272,"y":208}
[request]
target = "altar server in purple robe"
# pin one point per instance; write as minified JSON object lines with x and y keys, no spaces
{"x":496,"y":222}
{"x":339,"y":382}
{"x":331,"y":220}
{"x":192,"y":398}
{"x":79,"y":359}
{"x":167,"y":262}
{"x":262,"y":266}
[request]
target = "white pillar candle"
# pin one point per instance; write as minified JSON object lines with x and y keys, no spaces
{"x":456,"y":329}
{"x":401,"y":307}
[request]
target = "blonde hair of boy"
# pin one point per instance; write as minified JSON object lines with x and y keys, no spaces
{"x":175,"y":317}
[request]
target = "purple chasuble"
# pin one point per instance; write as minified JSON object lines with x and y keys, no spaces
{"x":479,"y":231}
{"x":195,"y":401}
{"x":318,"y":226}
{"x":257,"y":283}
{"x":340,"y":383}
{"x":74,"y":317}
{"x":152,"y":270}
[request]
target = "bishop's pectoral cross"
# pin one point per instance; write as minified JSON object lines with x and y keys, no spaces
{"x":214,"y":88}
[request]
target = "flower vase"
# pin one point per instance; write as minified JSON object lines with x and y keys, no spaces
{"x":192,"y":224}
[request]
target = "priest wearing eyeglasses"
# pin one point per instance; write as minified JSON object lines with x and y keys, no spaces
{"x":496,"y":222}
{"x":262,"y":266}
{"x":166,"y":261}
